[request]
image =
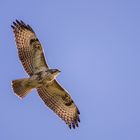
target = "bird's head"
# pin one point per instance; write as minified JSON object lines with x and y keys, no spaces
{"x":54,"y":72}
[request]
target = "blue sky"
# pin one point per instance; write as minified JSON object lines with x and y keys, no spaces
{"x":96,"y":45}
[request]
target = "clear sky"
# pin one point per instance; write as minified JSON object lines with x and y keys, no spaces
{"x":96,"y":45}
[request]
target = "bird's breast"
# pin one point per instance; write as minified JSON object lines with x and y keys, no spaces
{"x":43,"y":78}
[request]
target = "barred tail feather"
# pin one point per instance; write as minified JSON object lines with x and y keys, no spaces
{"x":21,"y":87}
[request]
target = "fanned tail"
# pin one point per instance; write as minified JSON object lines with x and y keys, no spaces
{"x":21,"y":87}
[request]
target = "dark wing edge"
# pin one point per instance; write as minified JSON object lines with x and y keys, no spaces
{"x":20,"y":24}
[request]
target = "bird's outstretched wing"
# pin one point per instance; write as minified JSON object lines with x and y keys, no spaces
{"x":29,"y":48}
{"x":58,"y":99}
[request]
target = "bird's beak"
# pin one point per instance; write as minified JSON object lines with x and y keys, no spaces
{"x":57,"y":73}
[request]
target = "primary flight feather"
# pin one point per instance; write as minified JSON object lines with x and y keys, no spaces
{"x":41,"y":76}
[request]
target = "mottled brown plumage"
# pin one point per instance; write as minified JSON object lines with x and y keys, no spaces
{"x":41,"y":77}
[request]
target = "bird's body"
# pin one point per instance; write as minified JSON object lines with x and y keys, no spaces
{"x":41,"y":77}
{"x":44,"y":78}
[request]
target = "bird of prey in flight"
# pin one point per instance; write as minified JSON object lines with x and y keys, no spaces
{"x":41,"y":77}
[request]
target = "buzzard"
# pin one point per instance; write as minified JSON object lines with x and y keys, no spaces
{"x":41,"y":77}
